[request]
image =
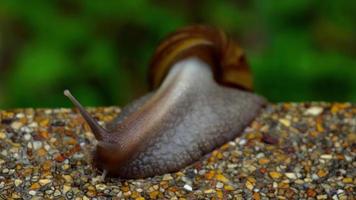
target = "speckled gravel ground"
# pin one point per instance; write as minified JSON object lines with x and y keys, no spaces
{"x":292,"y":151}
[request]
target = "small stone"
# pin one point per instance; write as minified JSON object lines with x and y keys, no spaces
{"x":155,"y":187}
{"x":27,"y":137}
{"x":285,"y":122}
{"x":209,"y":175}
{"x":44,"y":181}
{"x":340,"y":191}
{"x":47,"y":147}
{"x":322,"y":173}
{"x":65,"y":166}
{"x":275,"y":185}
{"x":229,"y":188}
{"x":17,"y":182}
{"x":322,"y":196}
{"x":275,"y":175}
{"x":219,"y":185}
{"x":249,"y":185}
{"x":100,"y":187}
{"x":32,"y":192}
{"x":269,"y":138}
{"x":314,"y":111}
{"x":16,"y":125}
{"x":37,"y":145}
{"x":221,"y":178}
{"x":348,"y":158}
{"x":66,"y":188}
{"x":35,"y":186}
{"x":167,"y":177}
{"x":256,"y":196}
{"x":232,"y":166}
{"x":57,"y":193}
{"x":311,"y":192}
{"x":242,"y":142}
{"x":351,"y":137}
{"x":49,"y":192}
{"x":347,"y":180}
{"x":59,"y":158}
{"x":209,"y":191}
{"x":251,"y":179}
{"x":44,"y":134}
{"x":308,"y":180}
{"x":315,"y":177}
{"x":188,"y":187}
{"x":326,"y":156}
{"x":219,"y":194}
{"x":41,"y":152}
{"x":2,"y":135}
{"x":47,"y":165}
{"x":67,"y":178}
{"x":263,"y":161}
{"x":290,"y":175}
{"x":154,"y":194}
{"x":15,"y":195}
{"x":128,"y":193}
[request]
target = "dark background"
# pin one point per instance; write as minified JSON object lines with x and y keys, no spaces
{"x":298,"y":50}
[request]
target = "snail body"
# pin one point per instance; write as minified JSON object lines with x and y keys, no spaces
{"x":188,"y":114}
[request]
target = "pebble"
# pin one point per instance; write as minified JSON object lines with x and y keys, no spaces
{"x":290,"y":175}
{"x":263,"y":161}
{"x":188,"y":187}
{"x":67,"y":178}
{"x":167,"y":177}
{"x":322,"y":173}
{"x":285,"y":122}
{"x":2,"y":135}
{"x":66,"y":188}
{"x":16,"y":125}
{"x":219,"y":185}
{"x":100,"y":186}
{"x":326,"y":156}
{"x":17,"y":182}
{"x":249,"y":185}
{"x":208,"y":191}
{"x":36,"y":145}
{"x":314,"y":111}
{"x":44,"y":181}
{"x":347,"y":180}
{"x":275,"y":175}
{"x":57,"y":193}
{"x":27,"y":136}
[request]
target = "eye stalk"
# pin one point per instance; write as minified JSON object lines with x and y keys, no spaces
{"x":99,"y":132}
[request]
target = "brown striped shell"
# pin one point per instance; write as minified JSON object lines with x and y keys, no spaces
{"x":208,"y":43}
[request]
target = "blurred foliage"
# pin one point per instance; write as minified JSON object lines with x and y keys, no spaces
{"x":299,"y":50}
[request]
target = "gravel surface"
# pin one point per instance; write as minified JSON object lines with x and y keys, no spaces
{"x":291,"y":151}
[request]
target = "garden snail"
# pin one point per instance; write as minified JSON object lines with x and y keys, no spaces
{"x":200,"y":100}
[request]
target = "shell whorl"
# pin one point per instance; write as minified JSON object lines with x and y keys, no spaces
{"x":226,"y":57}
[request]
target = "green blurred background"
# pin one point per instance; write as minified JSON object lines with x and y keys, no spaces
{"x":298,"y":50}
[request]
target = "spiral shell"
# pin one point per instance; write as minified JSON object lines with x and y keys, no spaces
{"x":209,"y":44}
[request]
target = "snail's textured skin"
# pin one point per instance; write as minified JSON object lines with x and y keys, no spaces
{"x":195,"y":116}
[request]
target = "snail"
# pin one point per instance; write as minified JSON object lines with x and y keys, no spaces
{"x":201,"y":98}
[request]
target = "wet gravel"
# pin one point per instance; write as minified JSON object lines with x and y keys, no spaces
{"x":291,"y":151}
